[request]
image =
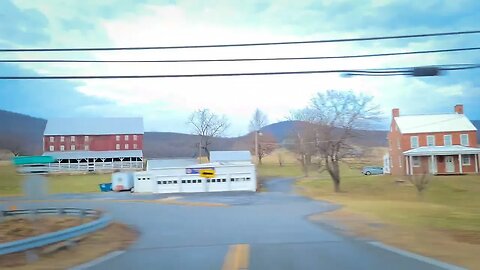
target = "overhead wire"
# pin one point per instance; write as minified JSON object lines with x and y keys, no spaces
{"x":243,"y":44}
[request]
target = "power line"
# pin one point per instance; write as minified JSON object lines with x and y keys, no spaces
{"x":359,"y":72}
{"x":239,"y":59}
{"x":243,"y":44}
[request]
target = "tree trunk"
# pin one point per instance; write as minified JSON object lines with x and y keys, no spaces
{"x":259,"y":160}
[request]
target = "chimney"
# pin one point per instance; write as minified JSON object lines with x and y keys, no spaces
{"x":459,"y":108}
{"x":396,"y":112}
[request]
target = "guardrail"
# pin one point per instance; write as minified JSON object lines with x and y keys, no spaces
{"x":54,"y":237}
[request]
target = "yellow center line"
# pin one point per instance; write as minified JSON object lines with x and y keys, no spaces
{"x":237,"y":257}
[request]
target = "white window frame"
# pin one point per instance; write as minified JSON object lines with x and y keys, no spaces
{"x":62,"y":138}
{"x":416,"y":162}
{"x":72,"y":138}
{"x":62,"y":147}
{"x":135,"y":146}
{"x":432,"y":137}
{"x":72,"y":147}
{"x":126,"y":137}
{"x":126,"y":146}
{"x":51,"y":148}
{"x":462,"y":136}
{"x":117,"y":138}
{"x":412,"y":140}
{"x":87,"y":147}
{"x":86,"y":138}
{"x":134,"y":137}
{"x":52,"y":139}
{"x":469,"y":160}
{"x":445,"y":140}
{"x":117,"y":146}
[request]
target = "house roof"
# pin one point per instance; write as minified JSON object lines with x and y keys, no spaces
{"x":434,"y":123}
{"x":220,"y":156}
{"x":442,"y":150}
{"x":94,"y":126}
{"x":94,"y":154}
{"x":153,"y":164}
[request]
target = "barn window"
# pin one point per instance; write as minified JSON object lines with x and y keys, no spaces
{"x":414,"y":142}
{"x":126,"y":146}
{"x":87,"y":147}
{"x":72,"y":138}
{"x":199,"y":181}
{"x":72,"y":147}
{"x":208,"y":180}
{"x":189,"y":181}
{"x":117,"y":138}
{"x":62,"y":148}
{"x":52,"y":148}
{"x":248,"y":178}
{"x":126,"y":137}
{"x":135,"y":146}
{"x":447,"y":140}
{"x":175,"y":182}
{"x":224,"y":180}
{"x":117,"y":146}
{"x":430,"y":140}
{"x":134,"y":137}
{"x":464,"y":139}
{"x":183,"y":181}
{"x":52,"y":139}
{"x":169,"y":182}
{"x":164,"y":182}
{"x":232,"y":179}
{"x":62,"y":139}
{"x":465,"y":160}
{"x":86,"y":138}
{"x":159,"y":182}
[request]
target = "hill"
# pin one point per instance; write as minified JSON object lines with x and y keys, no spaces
{"x":23,"y":133}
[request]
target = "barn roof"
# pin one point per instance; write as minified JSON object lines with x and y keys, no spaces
{"x":434,"y":123}
{"x":94,"y":126}
{"x":94,"y":154}
{"x":219,"y":156}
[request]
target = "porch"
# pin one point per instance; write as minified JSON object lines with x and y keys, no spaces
{"x":439,"y":160}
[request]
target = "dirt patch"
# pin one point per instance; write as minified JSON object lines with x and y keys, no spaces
{"x":16,"y":228}
{"x":114,"y":237}
{"x":451,"y":246}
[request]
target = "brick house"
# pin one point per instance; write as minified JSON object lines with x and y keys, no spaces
{"x":91,"y":144}
{"x":435,"y":144}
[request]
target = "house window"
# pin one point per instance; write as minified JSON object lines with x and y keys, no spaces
{"x":134,"y":146}
{"x":52,"y":139}
{"x":126,"y":137}
{"x":464,"y":139}
{"x":117,"y":146}
{"x":466,"y":160}
{"x":87,"y":147}
{"x":400,"y":161}
{"x":134,"y":137}
{"x":72,"y":147}
{"x":62,"y":139}
{"x":416,"y":161}
{"x":126,"y":146}
{"x":447,"y":140}
{"x":72,"y":138}
{"x":62,"y":148}
{"x":86,"y":138}
{"x":52,"y":148}
{"x":414,"y":141}
{"x":117,"y":138}
{"x":430,"y":140}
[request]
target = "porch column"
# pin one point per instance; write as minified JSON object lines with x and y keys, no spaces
{"x":410,"y":164}
{"x":476,"y":163}
{"x":432,"y":164}
{"x":406,"y":165}
{"x":460,"y":163}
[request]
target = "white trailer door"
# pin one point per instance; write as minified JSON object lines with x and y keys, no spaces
{"x":193,"y":184}
{"x":168,"y":185}
{"x":241,"y":182}
{"x":218,"y":184}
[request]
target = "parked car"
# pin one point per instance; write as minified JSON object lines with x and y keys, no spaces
{"x":369,"y":170}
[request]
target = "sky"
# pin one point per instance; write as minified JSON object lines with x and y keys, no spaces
{"x":166,"y":103}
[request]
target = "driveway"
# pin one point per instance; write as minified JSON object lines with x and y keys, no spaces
{"x":266,"y":230}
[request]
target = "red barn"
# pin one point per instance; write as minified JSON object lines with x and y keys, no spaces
{"x":435,"y":144}
{"x":91,"y":144}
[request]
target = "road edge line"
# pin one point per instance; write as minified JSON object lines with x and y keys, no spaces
{"x":416,"y":256}
{"x":99,"y":260}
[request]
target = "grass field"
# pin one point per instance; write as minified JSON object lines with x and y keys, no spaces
{"x":444,"y":222}
{"x":11,"y":182}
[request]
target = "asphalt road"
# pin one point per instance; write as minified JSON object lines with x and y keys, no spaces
{"x":257,"y":231}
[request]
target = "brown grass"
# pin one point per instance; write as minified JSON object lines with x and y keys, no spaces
{"x":114,"y":237}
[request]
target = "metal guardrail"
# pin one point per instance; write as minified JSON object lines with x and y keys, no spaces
{"x":54,"y":237}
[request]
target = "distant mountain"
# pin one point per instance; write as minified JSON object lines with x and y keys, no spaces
{"x":24,"y":133}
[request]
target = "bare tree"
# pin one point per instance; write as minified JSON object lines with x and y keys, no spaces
{"x":258,"y":121}
{"x":302,"y":143}
{"x":420,"y":182}
{"x":266,"y":144}
{"x":335,"y":116}
{"x":207,"y":125}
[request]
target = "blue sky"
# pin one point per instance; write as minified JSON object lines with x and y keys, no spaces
{"x":166,"y":103}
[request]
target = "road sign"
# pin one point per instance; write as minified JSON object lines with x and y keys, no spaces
{"x":196,"y":170}
{"x":207,"y":173}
